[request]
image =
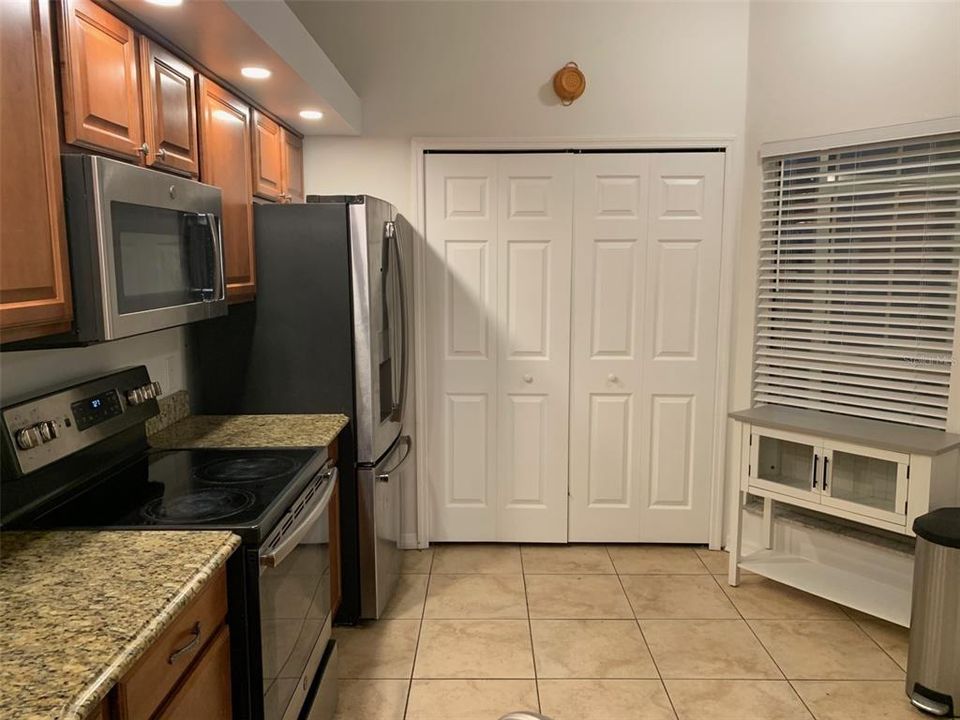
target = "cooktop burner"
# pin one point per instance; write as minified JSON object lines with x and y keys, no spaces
{"x":205,"y":505}
{"x":246,"y":469}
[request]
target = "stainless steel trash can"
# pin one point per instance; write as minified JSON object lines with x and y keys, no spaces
{"x":933,"y":664}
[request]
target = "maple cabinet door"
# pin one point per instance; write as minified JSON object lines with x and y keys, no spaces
{"x":169,"y":110}
{"x":292,"y":167}
{"x":34,"y":268}
{"x":101,"y":89}
{"x":267,"y":158}
{"x":225,"y":162}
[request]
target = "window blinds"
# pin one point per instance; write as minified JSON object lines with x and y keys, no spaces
{"x":858,"y":275}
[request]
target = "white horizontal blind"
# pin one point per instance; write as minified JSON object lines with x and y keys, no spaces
{"x":858,"y":276}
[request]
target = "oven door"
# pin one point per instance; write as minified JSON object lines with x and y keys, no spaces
{"x":295,"y":613}
{"x":155,"y":242}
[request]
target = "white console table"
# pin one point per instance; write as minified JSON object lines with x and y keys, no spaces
{"x":871,"y":472}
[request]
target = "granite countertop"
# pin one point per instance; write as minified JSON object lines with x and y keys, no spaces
{"x":250,"y":431}
{"x":77,"y":609}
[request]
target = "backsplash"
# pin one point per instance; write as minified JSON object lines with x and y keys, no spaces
{"x":173,"y":408}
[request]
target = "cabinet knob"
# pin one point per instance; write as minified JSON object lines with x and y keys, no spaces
{"x":144,"y":149}
{"x":161,"y":153}
{"x":612,"y":378}
{"x":528,"y":379}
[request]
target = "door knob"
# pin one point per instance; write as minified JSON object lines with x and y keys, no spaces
{"x":612,"y":378}
{"x":528,"y":379}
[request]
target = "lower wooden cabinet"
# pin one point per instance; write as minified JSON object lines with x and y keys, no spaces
{"x":34,"y":268}
{"x":188,"y":665}
{"x":205,"y":691}
{"x":225,"y":161}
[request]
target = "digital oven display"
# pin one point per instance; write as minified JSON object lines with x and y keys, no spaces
{"x":94,"y":410}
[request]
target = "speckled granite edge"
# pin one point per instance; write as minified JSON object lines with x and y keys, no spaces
{"x":173,"y":409}
{"x":117,"y":667}
{"x":39,"y":695}
{"x":251,"y":431}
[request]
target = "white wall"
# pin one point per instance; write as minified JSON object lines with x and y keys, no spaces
{"x":25,"y":373}
{"x":483,"y":69}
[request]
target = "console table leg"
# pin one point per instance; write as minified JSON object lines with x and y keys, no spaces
{"x":733,"y":577}
{"x":768,"y":523}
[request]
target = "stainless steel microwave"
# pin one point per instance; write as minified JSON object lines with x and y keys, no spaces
{"x":145,"y":249}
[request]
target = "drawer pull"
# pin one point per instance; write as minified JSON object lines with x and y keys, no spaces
{"x":186,"y":648}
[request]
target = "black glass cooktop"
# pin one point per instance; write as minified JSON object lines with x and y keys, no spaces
{"x":245,"y":491}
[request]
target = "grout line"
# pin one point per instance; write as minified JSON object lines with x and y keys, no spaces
{"x":416,"y":649}
{"x":642,"y":636}
{"x":526,"y":600}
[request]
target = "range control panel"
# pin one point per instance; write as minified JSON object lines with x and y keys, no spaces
{"x":42,"y":430}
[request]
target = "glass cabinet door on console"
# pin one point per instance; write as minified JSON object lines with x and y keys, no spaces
{"x":785,"y":463}
{"x":866,"y":482}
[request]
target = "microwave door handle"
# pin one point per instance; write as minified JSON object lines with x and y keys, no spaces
{"x":216,"y":244}
{"x":277,"y":555}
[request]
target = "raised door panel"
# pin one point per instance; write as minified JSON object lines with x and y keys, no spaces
{"x":678,"y":360}
{"x":101,"y":90}
{"x":534,"y":247}
{"x":461,"y":255}
{"x":169,"y":110}
{"x":225,"y":162}
{"x":34,"y":268}
{"x":610,"y":230}
{"x":292,"y":167}
{"x":206,"y":691}
{"x":267,"y":158}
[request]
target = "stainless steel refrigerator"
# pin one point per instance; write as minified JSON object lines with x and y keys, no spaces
{"x":329,"y":332}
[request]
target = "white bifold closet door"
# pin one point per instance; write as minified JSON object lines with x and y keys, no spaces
{"x":498,"y":231}
{"x":646,"y":285}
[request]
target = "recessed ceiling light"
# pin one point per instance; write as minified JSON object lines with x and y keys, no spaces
{"x":255,"y":73}
{"x":166,"y":3}
{"x":311,"y":114}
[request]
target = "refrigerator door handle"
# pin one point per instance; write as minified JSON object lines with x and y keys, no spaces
{"x":407,"y":441}
{"x":404,"y":328}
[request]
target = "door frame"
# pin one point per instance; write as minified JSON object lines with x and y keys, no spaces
{"x":732,"y":181}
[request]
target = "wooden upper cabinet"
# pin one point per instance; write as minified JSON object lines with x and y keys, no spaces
{"x":101,"y":93}
{"x":169,"y":110}
{"x":34,"y":268}
{"x":267,"y":158}
{"x":292,"y":167}
{"x":225,"y":161}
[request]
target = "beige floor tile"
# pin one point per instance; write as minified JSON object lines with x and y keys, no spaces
{"x":384,"y":649}
{"x":372,"y":699}
{"x":474,"y":649}
{"x":894,"y":639}
{"x":576,"y":597}
{"x":605,"y":700}
{"x":824,"y":650}
{"x":407,"y":600}
{"x":590,"y":649}
{"x":497,"y":559}
{"x":677,"y":596}
{"x":476,"y":597}
{"x":857,"y":700}
{"x":656,"y":559}
{"x":416,"y":561}
{"x":717,"y":561}
{"x":566,"y":559}
{"x":735,"y":700}
{"x":713,"y":649}
{"x":470,"y":699}
{"x":758,"y":598}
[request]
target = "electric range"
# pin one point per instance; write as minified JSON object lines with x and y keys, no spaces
{"x":77,"y":458}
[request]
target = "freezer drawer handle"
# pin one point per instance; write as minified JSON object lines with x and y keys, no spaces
{"x":405,"y":440}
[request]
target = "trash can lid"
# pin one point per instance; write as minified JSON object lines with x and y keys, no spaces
{"x":940,"y":526}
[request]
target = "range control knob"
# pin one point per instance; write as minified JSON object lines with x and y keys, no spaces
{"x":139,"y":395}
{"x":49,"y":430}
{"x":135,"y":396}
{"x":29,"y":438}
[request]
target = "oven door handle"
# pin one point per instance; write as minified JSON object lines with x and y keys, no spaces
{"x":277,"y":555}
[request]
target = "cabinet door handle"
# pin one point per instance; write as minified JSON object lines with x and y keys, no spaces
{"x":144,"y":149}
{"x":161,"y":153}
{"x":825,"y":461}
{"x":186,"y":648}
{"x":816,"y":462}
